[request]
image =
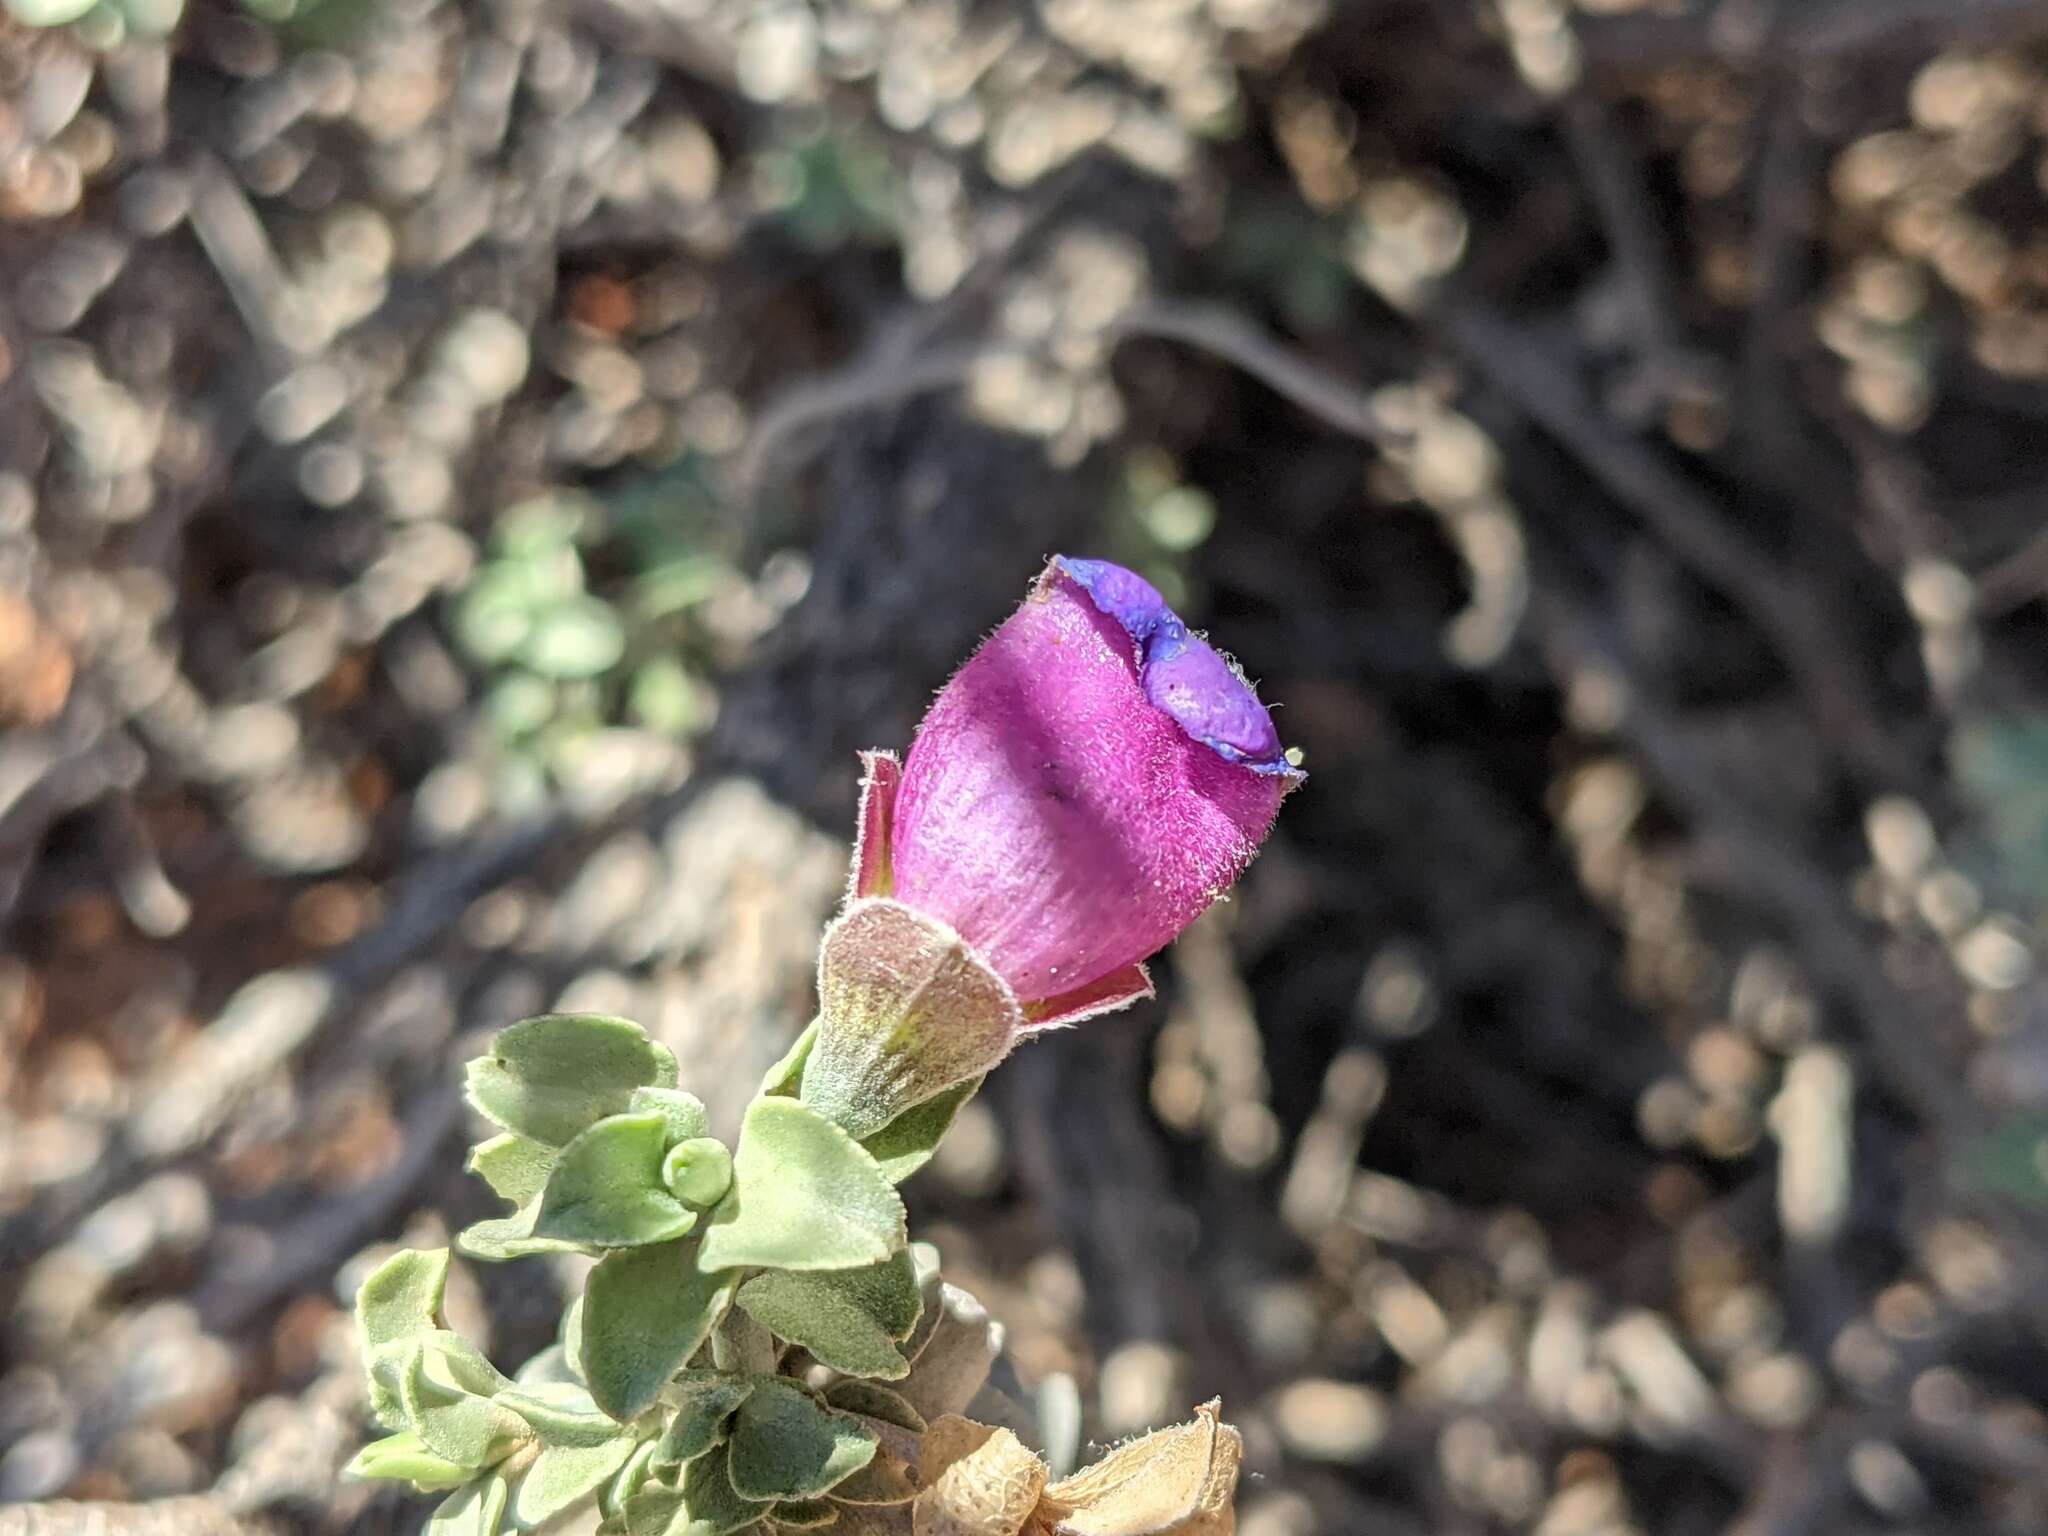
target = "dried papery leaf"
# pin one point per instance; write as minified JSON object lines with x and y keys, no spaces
{"x":953,"y":1358}
{"x":881,"y":776}
{"x":979,"y":1482}
{"x":1173,"y":1482}
{"x":906,"y":1011}
{"x":872,"y":1520}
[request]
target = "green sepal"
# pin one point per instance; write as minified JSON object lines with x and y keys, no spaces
{"x":873,"y":1401}
{"x":563,"y":1476}
{"x":631,"y":1478}
{"x":606,"y":1188}
{"x":478,"y":1510}
{"x":782,"y":1080}
{"x":907,"y":1143}
{"x":684,"y":1112}
{"x":549,"y":1077}
{"x":645,"y":1312}
{"x":805,"y":1195}
{"x":704,"y":1401}
{"x":697,"y":1172}
{"x":448,"y":1387}
{"x":400,"y":1300}
{"x":404,"y":1458}
{"x":561,"y":1413}
{"x":849,"y":1319}
{"x":787,"y":1445}
{"x":804,"y":1514}
{"x":516,"y":1167}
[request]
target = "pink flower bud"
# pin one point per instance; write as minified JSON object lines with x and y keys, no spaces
{"x":1086,"y":785}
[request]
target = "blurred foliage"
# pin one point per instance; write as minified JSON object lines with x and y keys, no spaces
{"x":2000,"y":763}
{"x":1294,"y":260}
{"x":563,"y":657}
{"x":2010,"y":1162}
{"x":832,"y":188}
{"x":1156,"y":522}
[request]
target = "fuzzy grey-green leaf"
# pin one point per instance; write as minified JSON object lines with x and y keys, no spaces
{"x":849,"y":1319}
{"x":805,"y":1195}
{"x":499,"y":1238}
{"x":705,"y":1504}
{"x":684,"y":1112}
{"x":561,"y":1413}
{"x":563,"y":1476}
{"x":629,"y":1481}
{"x":705,"y":1400}
{"x":457,"y":1422}
{"x":478,"y":1510}
{"x":402,"y":1296}
{"x":516,"y":1167}
{"x":404,"y":1458}
{"x":787,"y":1445}
{"x":873,"y":1401}
{"x":645,"y":1312}
{"x":549,"y":1077}
{"x":606,"y":1188}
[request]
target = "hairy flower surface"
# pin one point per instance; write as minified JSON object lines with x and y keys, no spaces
{"x":1086,"y":785}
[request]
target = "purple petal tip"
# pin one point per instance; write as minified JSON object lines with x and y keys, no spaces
{"x":1184,"y":676}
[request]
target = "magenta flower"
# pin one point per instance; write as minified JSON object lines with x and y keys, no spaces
{"x":1086,"y":785}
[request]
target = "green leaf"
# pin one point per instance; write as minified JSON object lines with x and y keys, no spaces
{"x":805,"y":1195}
{"x":399,"y":1301}
{"x":576,"y":638}
{"x":561,"y":1413}
{"x":706,"y":1399}
{"x":645,"y":1312}
{"x":872,"y":1401}
{"x":804,"y":1514}
{"x":907,"y":1143}
{"x":404,"y":1458}
{"x":683,"y":1111}
{"x":516,"y":1167}
{"x":705,"y":1505}
{"x":563,"y":1476}
{"x":786,"y":1445}
{"x":477,"y":1510}
{"x":402,"y":1297}
{"x":549,"y":1077}
{"x":632,"y":1477}
{"x":782,"y":1080}
{"x":446,"y":1390}
{"x":549,"y":1368}
{"x":848,"y":1319}
{"x":742,"y":1347}
{"x":698,"y":1172}
{"x":606,"y":1189}
{"x":511,"y":1237}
